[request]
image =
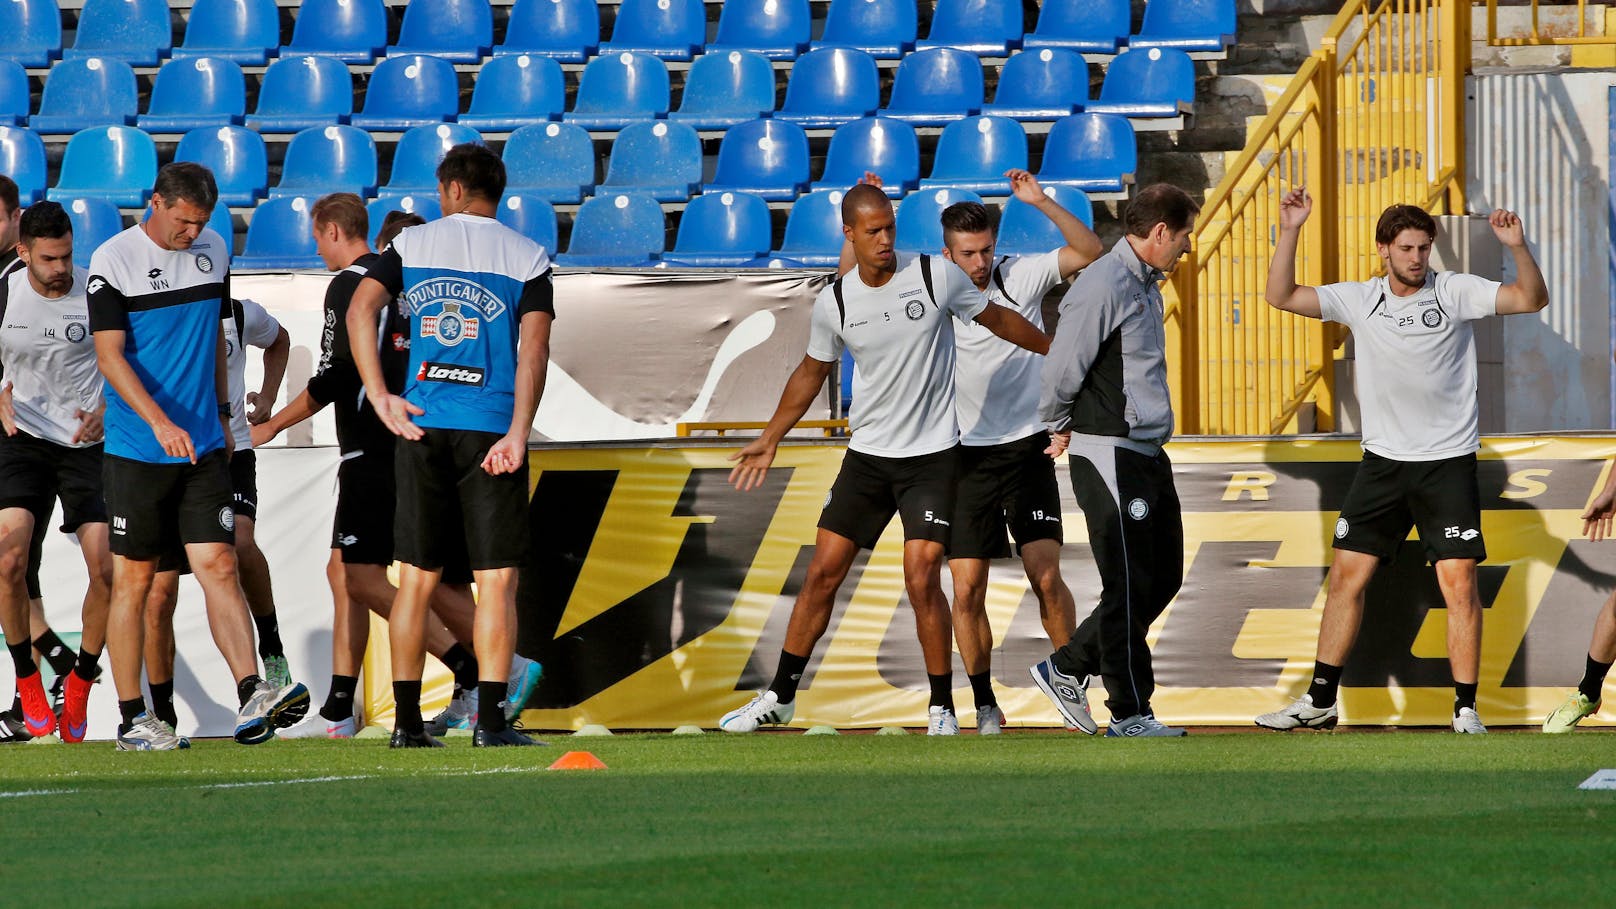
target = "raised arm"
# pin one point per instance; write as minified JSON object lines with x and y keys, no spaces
{"x":799,"y":394}
{"x":1282,"y":291}
{"x":1082,"y":245}
{"x":1527,"y":293}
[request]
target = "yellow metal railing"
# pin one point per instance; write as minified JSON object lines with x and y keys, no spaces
{"x":1374,"y":117}
{"x":1556,"y":32}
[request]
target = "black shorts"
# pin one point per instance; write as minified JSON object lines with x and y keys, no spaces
{"x":1388,"y":497}
{"x":1012,"y":483}
{"x":244,"y":484}
{"x":446,"y":500}
{"x":363,"y":529}
{"x":35,"y":472}
{"x":157,"y":508}
{"x":869,"y":490}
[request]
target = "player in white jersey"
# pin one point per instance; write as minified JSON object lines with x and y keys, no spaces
{"x":51,"y":408}
{"x":895,"y":314}
{"x":1416,"y":381}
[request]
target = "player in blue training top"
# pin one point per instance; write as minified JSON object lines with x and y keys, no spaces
{"x":158,"y":292}
{"x":479,"y":301}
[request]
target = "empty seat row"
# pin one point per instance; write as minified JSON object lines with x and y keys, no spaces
{"x":355,"y":31}
{"x":827,"y":88}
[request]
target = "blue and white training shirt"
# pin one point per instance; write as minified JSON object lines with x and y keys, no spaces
{"x":465,"y":282}
{"x":169,"y":302}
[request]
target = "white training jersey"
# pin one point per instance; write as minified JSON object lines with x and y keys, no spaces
{"x":259,"y":329}
{"x":902,"y":342}
{"x":996,"y":383}
{"x":49,"y":357}
{"x":1416,"y":362}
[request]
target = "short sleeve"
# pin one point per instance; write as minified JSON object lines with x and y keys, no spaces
{"x":824,"y":334}
{"x":109,"y":308}
{"x":1470,"y":296}
{"x":538,"y":295}
{"x":1340,"y":302}
{"x":389,"y":269}
{"x":1029,"y":278}
{"x":956,"y":294}
{"x":259,"y":328}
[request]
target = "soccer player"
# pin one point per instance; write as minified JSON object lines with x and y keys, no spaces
{"x":480,"y":304}
{"x":895,"y":314}
{"x":1416,"y":380}
{"x":1584,"y":702}
{"x":158,"y":292}
{"x":1105,"y":398}
{"x":51,"y":407}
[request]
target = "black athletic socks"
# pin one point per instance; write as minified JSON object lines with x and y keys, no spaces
{"x":269,"y":636}
{"x":23,"y":655}
{"x":491,"y":706}
{"x":463,"y":663}
{"x":942,"y":690}
{"x":339,"y":703}
{"x":246,"y":687}
{"x":131,"y":709}
{"x":1593,"y":679}
{"x":787,"y":676}
{"x":1464,"y":695}
{"x":982,"y":688}
{"x":162,"y":697}
{"x":89,"y":664}
{"x":407,"y":707}
{"x":55,"y":651}
{"x":1326,"y":679}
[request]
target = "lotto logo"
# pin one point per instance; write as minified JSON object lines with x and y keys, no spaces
{"x":449,"y":372}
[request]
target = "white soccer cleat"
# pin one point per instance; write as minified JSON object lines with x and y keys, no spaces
{"x":1467,"y":722}
{"x":941,"y":721}
{"x":763,"y":710}
{"x":1301,"y":714}
{"x":989,"y":720}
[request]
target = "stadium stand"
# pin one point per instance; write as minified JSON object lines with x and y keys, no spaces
{"x":425,"y":205}
{"x":460,"y":31}
{"x":777,"y":29}
{"x":300,"y":92}
{"x":241,"y":31}
{"x":328,"y":159}
{"x":14,"y":94}
{"x":512,"y":92}
{"x":1144,"y":84}
{"x":1046,"y":84}
{"x":935,"y":87}
{"x":920,"y":228}
{"x":623,"y":230}
{"x":95,"y":221}
{"x":725,"y":89}
{"x":987,"y":28}
{"x":722,"y":230}
{"x":116,"y":163}
{"x":86,"y":92}
{"x":814,"y":230}
{"x":1192,"y":26}
{"x":620,"y":89}
{"x":222,"y":223}
{"x":1024,"y":230}
{"x":280,"y":235}
{"x":564,"y":30}
{"x":669,"y":29}
{"x":237,"y":157}
{"x":353,"y":31}
{"x":767,"y":158}
{"x":554,"y":162}
{"x":408,"y":91}
{"x":33,"y":30}
{"x":887,"y":148}
{"x":881,"y":28}
{"x":661,"y":160}
{"x":22,"y":158}
{"x":1085,"y":26}
{"x":974,"y":153}
{"x":134,"y":31}
{"x":531,"y":217}
{"x":191,"y":94}
{"x":1092,"y":152}
{"x":830,"y":87}
{"x":416,"y":157}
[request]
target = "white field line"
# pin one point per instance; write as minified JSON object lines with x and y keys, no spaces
{"x":296,"y":781}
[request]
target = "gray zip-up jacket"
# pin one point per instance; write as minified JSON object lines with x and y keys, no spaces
{"x":1106,"y":373}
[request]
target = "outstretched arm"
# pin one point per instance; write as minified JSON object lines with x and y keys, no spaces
{"x":1282,"y":291}
{"x":1082,"y":245}
{"x":1013,"y":327}
{"x":1528,"y":293}
{"x":799,"y":394}
{"x":262,"y":401}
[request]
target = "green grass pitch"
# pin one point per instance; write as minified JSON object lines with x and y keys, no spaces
{"x":1351,"y":819}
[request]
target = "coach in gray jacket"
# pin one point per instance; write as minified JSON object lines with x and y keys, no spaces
{"x":1106,"y":403}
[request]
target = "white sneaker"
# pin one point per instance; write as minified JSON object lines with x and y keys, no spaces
{"x":1301,"y":714}
{"x":941,"y":721}
{"x":341,"y":729}
{"x":148,"y":733}
{"x":1466,"y":721}
{"x":763,"y":710}
{"x":989,"y":720}
{"x":1069,"y":695}
{"x":270,"y":709}
{"x":277,"y":672}
{"x":460,"y":714}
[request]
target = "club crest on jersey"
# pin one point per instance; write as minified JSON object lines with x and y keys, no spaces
{"x":1137,"y":509}
{"x":452,"y":310}
{"x":204,"y":263}
{"x":1431,"y":317}
{"x":75,"y":332}
{"x":450,"y":326}
{"x":915,"y":310}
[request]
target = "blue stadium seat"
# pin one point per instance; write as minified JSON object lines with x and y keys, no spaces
{"x":116,"y":163}
{"x":616,"y":230}
{"x":95,"y":221}
{"x":83,"y":93}
{"x":830,"y":87}
{"x":514,"y":91}
{"x":875,"y":144}
{"x":236,"y":156}
{"x":920,"y":226}
{"x":134,"y":31}
{"x":814,"y":230}
{"x":620,"y":89}
{"x":328,"y":159}
{"x":1085,"y":26}
{"x":987,"y":28}
{"x":660,"y":159}
{"x":564,"y":30}
{"x":881,"y":28}
{"x":33,"y":30}
{"x":973,"y":155}
{"x":242,"y":31}
{"x":461,"y":31}
{"x":724,"y":89}
{"x":531,"y":217}
{"x":1024,"y":230}
{"x":1205,"y":26}
{"x":222,"y":223}
{"x":1044,"y":84}
{"x":424,"y":205}
{"x":935,"y":87}
{"x":353,"y":31}
{"x":300,"y":92}
{"x":1091,"y":152}
{"x":552,"y":161}
{"x":191,"y":94}
{"x":722,"y":230}
{"x":409,"y":91}
{"x":22,"y":158}
{"x":767,"y":158}
{"x":777,"y":29}
{"x":670,"y":29}
{"x":14,"y":100}
{"x":416,"y":157}
{"x":1153,"y":82}
{"x":280,"y":236}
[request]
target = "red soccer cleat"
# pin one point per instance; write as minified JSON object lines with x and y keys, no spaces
{"x":36,"y":708}
{"x":75,"y":708}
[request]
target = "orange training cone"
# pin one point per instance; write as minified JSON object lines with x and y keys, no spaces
{"x":578,"y":760}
